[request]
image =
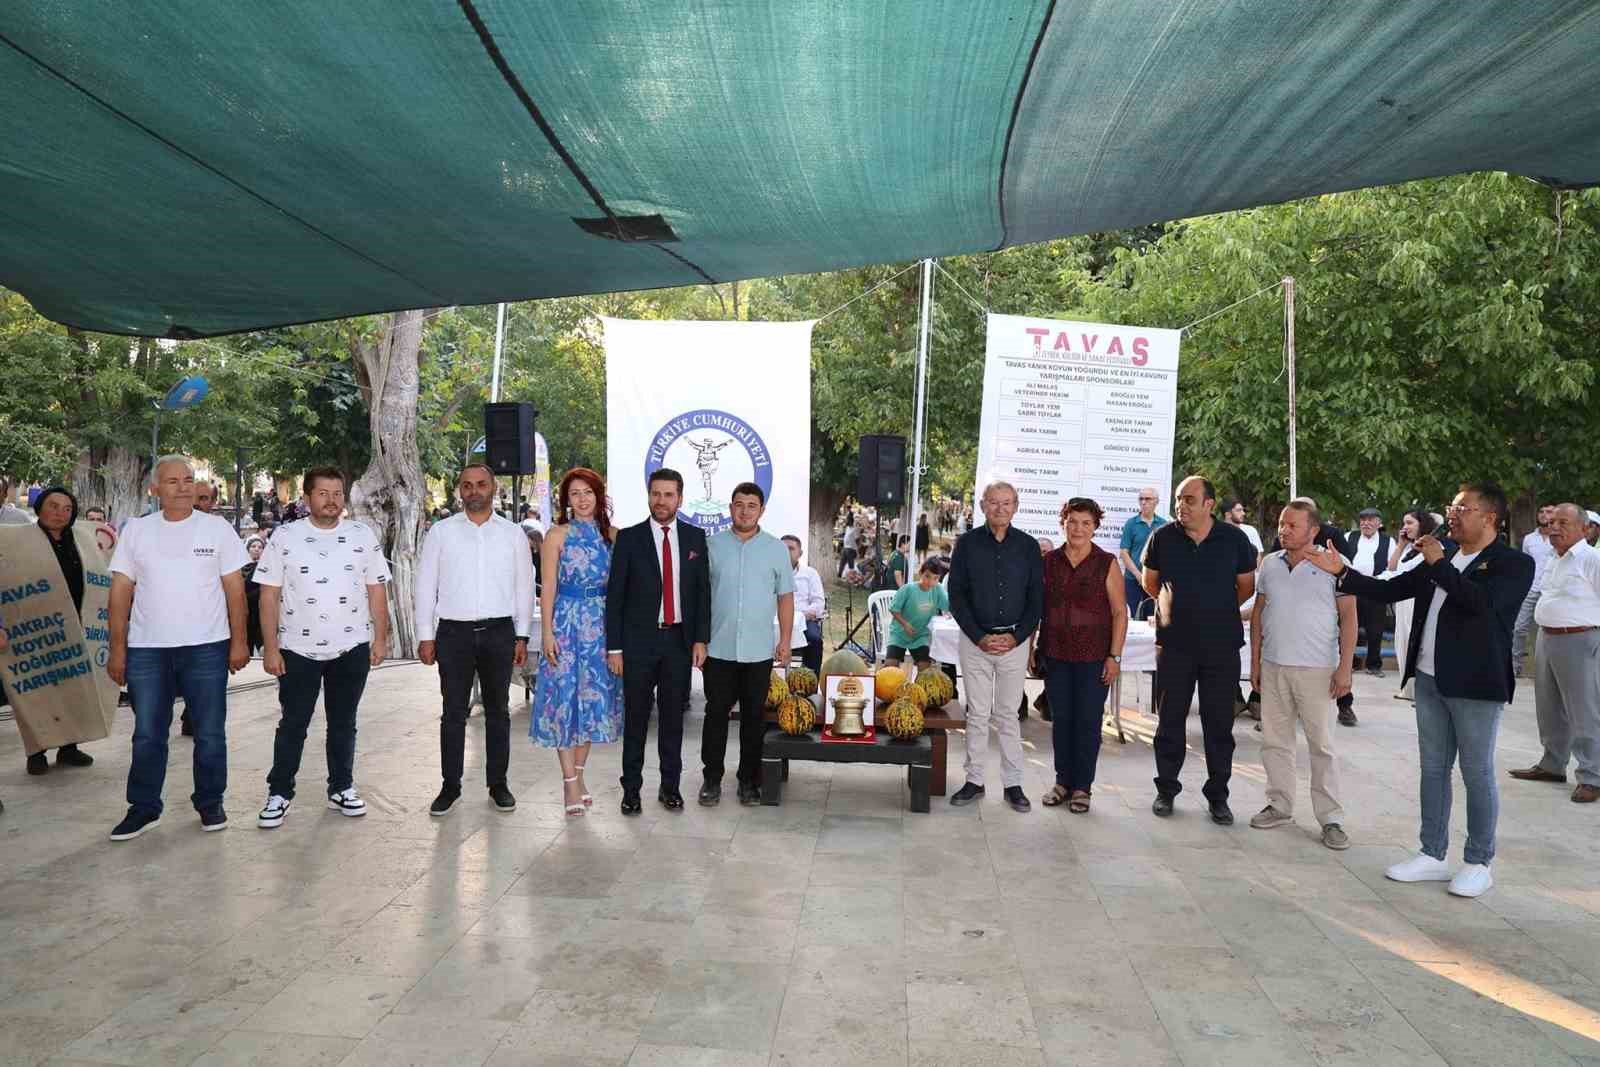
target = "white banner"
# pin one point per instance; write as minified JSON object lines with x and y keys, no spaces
{"x":718,"y":402}
{"x":1077,"y":409}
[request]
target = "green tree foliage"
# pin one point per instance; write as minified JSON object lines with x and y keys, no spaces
{"x":1445,"y":330}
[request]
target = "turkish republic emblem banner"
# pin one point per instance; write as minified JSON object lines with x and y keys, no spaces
{"x":1077,"y":409}
{"x":718,"y":402}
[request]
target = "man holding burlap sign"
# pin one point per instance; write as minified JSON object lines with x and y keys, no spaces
{"x":53,"y":636}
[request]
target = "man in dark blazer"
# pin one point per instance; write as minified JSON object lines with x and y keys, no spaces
{"x":658,"y":621}
{"x":1467,"y":599}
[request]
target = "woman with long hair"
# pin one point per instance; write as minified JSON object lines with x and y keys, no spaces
{"x":576,"y":700}
{"x":1413,"y":524}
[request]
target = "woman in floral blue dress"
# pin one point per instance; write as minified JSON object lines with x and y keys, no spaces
{"x":577,"y":701}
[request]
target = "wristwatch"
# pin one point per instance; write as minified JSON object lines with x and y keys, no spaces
{"x":1115,"y":659}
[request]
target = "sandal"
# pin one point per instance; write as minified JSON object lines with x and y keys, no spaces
{"x":1079,"y":804}
{"x":1056,"y":797}
{"x":588,"y":800}
{"x":573,"y":809}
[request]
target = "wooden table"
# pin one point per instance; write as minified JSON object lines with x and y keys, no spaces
{"x":778,"y":748}
{"x":936,"y":725}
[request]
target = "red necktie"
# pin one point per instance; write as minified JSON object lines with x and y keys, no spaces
{"x":667,"y":614}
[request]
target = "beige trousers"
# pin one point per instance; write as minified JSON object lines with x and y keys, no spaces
{"x":993,"y":686}
{"x":1290,"y":695}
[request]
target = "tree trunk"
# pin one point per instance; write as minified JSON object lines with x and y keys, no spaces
{"x":390,"y":494}
{"x":114,"y":477}
{"x":824,"y":507}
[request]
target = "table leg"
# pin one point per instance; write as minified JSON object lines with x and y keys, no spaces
{"x":786,"y":770}
{"x":771,"y":781}
{"x":941,"y":745}
{"x":1116,"y":708}
{"x":917,"y":778}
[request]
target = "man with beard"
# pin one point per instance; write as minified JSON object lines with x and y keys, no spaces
{"x":658,"y":623}
{"x":324,"y":624}
{"x":474,"y":611}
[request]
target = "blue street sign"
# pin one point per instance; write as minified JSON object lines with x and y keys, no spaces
{"x":186,"y":394}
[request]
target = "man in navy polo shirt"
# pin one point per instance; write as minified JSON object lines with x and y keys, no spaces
{"x":1199,"y":571}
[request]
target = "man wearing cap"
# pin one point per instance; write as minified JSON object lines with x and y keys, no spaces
{"x":1367,"y":549}
{"x":1566,"y":684}
{"x":1591,"y":532}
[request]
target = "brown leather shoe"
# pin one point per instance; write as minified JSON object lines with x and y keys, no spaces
{"x":1586,"y":794}
{"x":1537,"y":773}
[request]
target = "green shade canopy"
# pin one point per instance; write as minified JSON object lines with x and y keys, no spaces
{"x":191,"y":168}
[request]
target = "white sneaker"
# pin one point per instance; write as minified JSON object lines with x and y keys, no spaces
{"x":348,"y":802}
{"x":1419,"y":868}
{"x":272,"y":816}
{"x":1473,"y":880}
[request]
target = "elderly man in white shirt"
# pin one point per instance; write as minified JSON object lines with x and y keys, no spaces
{"x":1566,"y":684}
{"x":809,"y":601}
{"x":474,"y":611}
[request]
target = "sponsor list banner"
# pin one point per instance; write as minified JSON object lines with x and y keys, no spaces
{"x":1077,"y":409}
{"x":720,"y":403}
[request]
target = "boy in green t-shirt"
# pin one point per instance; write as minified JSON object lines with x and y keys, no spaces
{"x":911,"y":610}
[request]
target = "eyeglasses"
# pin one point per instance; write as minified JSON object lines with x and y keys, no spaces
{"x":1457,"y":509}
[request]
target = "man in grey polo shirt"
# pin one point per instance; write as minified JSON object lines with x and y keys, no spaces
{"x":1302,"y":643}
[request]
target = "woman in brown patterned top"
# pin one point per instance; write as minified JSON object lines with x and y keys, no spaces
{"x":1079,"y":651}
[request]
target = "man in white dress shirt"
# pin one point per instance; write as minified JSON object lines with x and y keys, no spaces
{"x":809,"y":601}
{"x":1367,"y":549}
{"x":1566,"y":684}
{"x":1536,"y":544}
{"x":474,"y":613}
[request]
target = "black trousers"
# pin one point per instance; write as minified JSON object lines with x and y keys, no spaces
{"x":1214,"y":672}
{"x":656,"y":672}
{"x":1371,"y":614}
{"x":484,"y":649}
{"x":341,"y":681}
{"x":729,"y":683}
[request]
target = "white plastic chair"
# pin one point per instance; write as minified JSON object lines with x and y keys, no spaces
{"x":878,"y":609}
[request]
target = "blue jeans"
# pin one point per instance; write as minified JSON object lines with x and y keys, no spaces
{"x":156,"y":676}
{"x":1077,"y":708}
{"x":1446,"y":726}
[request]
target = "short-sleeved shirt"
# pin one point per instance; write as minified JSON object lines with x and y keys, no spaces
{"x":918,"y":606}
{"x":1135,"y":532}
{"x":1198,"y":605}
{"x":897,"y":562}
{"x":177,"y":569}
{"x":1300,"y":619}
{"x":324,"y":575}
{"x":747,"y":577}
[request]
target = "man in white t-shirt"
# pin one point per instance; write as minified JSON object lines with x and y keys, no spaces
{"x":324,"y":625}
{"x":183,"y":633}
{"x":1233,"y":513}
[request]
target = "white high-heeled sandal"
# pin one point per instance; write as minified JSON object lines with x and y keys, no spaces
{"x":588,"y":799}
{"x":573,"y":809}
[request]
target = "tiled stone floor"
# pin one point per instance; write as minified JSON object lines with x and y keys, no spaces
{"x":835,"y":929}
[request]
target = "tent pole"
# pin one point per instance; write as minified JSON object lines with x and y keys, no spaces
{"x":1288,"y":355}
{"x":499,"y":344}
{"x":923,"y":330}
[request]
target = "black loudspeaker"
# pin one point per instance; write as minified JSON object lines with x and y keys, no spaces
{"x":508,"y":438}
{"x":882,"y":478}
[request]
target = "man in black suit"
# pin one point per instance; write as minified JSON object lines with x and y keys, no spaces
{"x":658,"y":621}
{"x":1467,"y":599}
{"x":1367,"y":549}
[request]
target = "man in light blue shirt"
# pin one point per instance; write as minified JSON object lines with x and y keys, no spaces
{"x":1135,"y":532}
{"x":751,"y":583}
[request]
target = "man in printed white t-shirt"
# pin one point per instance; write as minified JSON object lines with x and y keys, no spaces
{"x":324,"y":625}
{"x":184,"y":633}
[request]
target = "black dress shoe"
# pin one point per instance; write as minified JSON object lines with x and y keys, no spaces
{"x":1162,"y":805}
{"x":749,"y":794}
{"x":1221,"y":814}
{"x":73,"y":756}
{"x":711,"y":794}
{"x":39,"y":763}
{"x":630,"y":803}
{"x":670,"y":799}
{"x":966,"y":794}
{"x":1347,"y":716}
{"x":1017,"y":798}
